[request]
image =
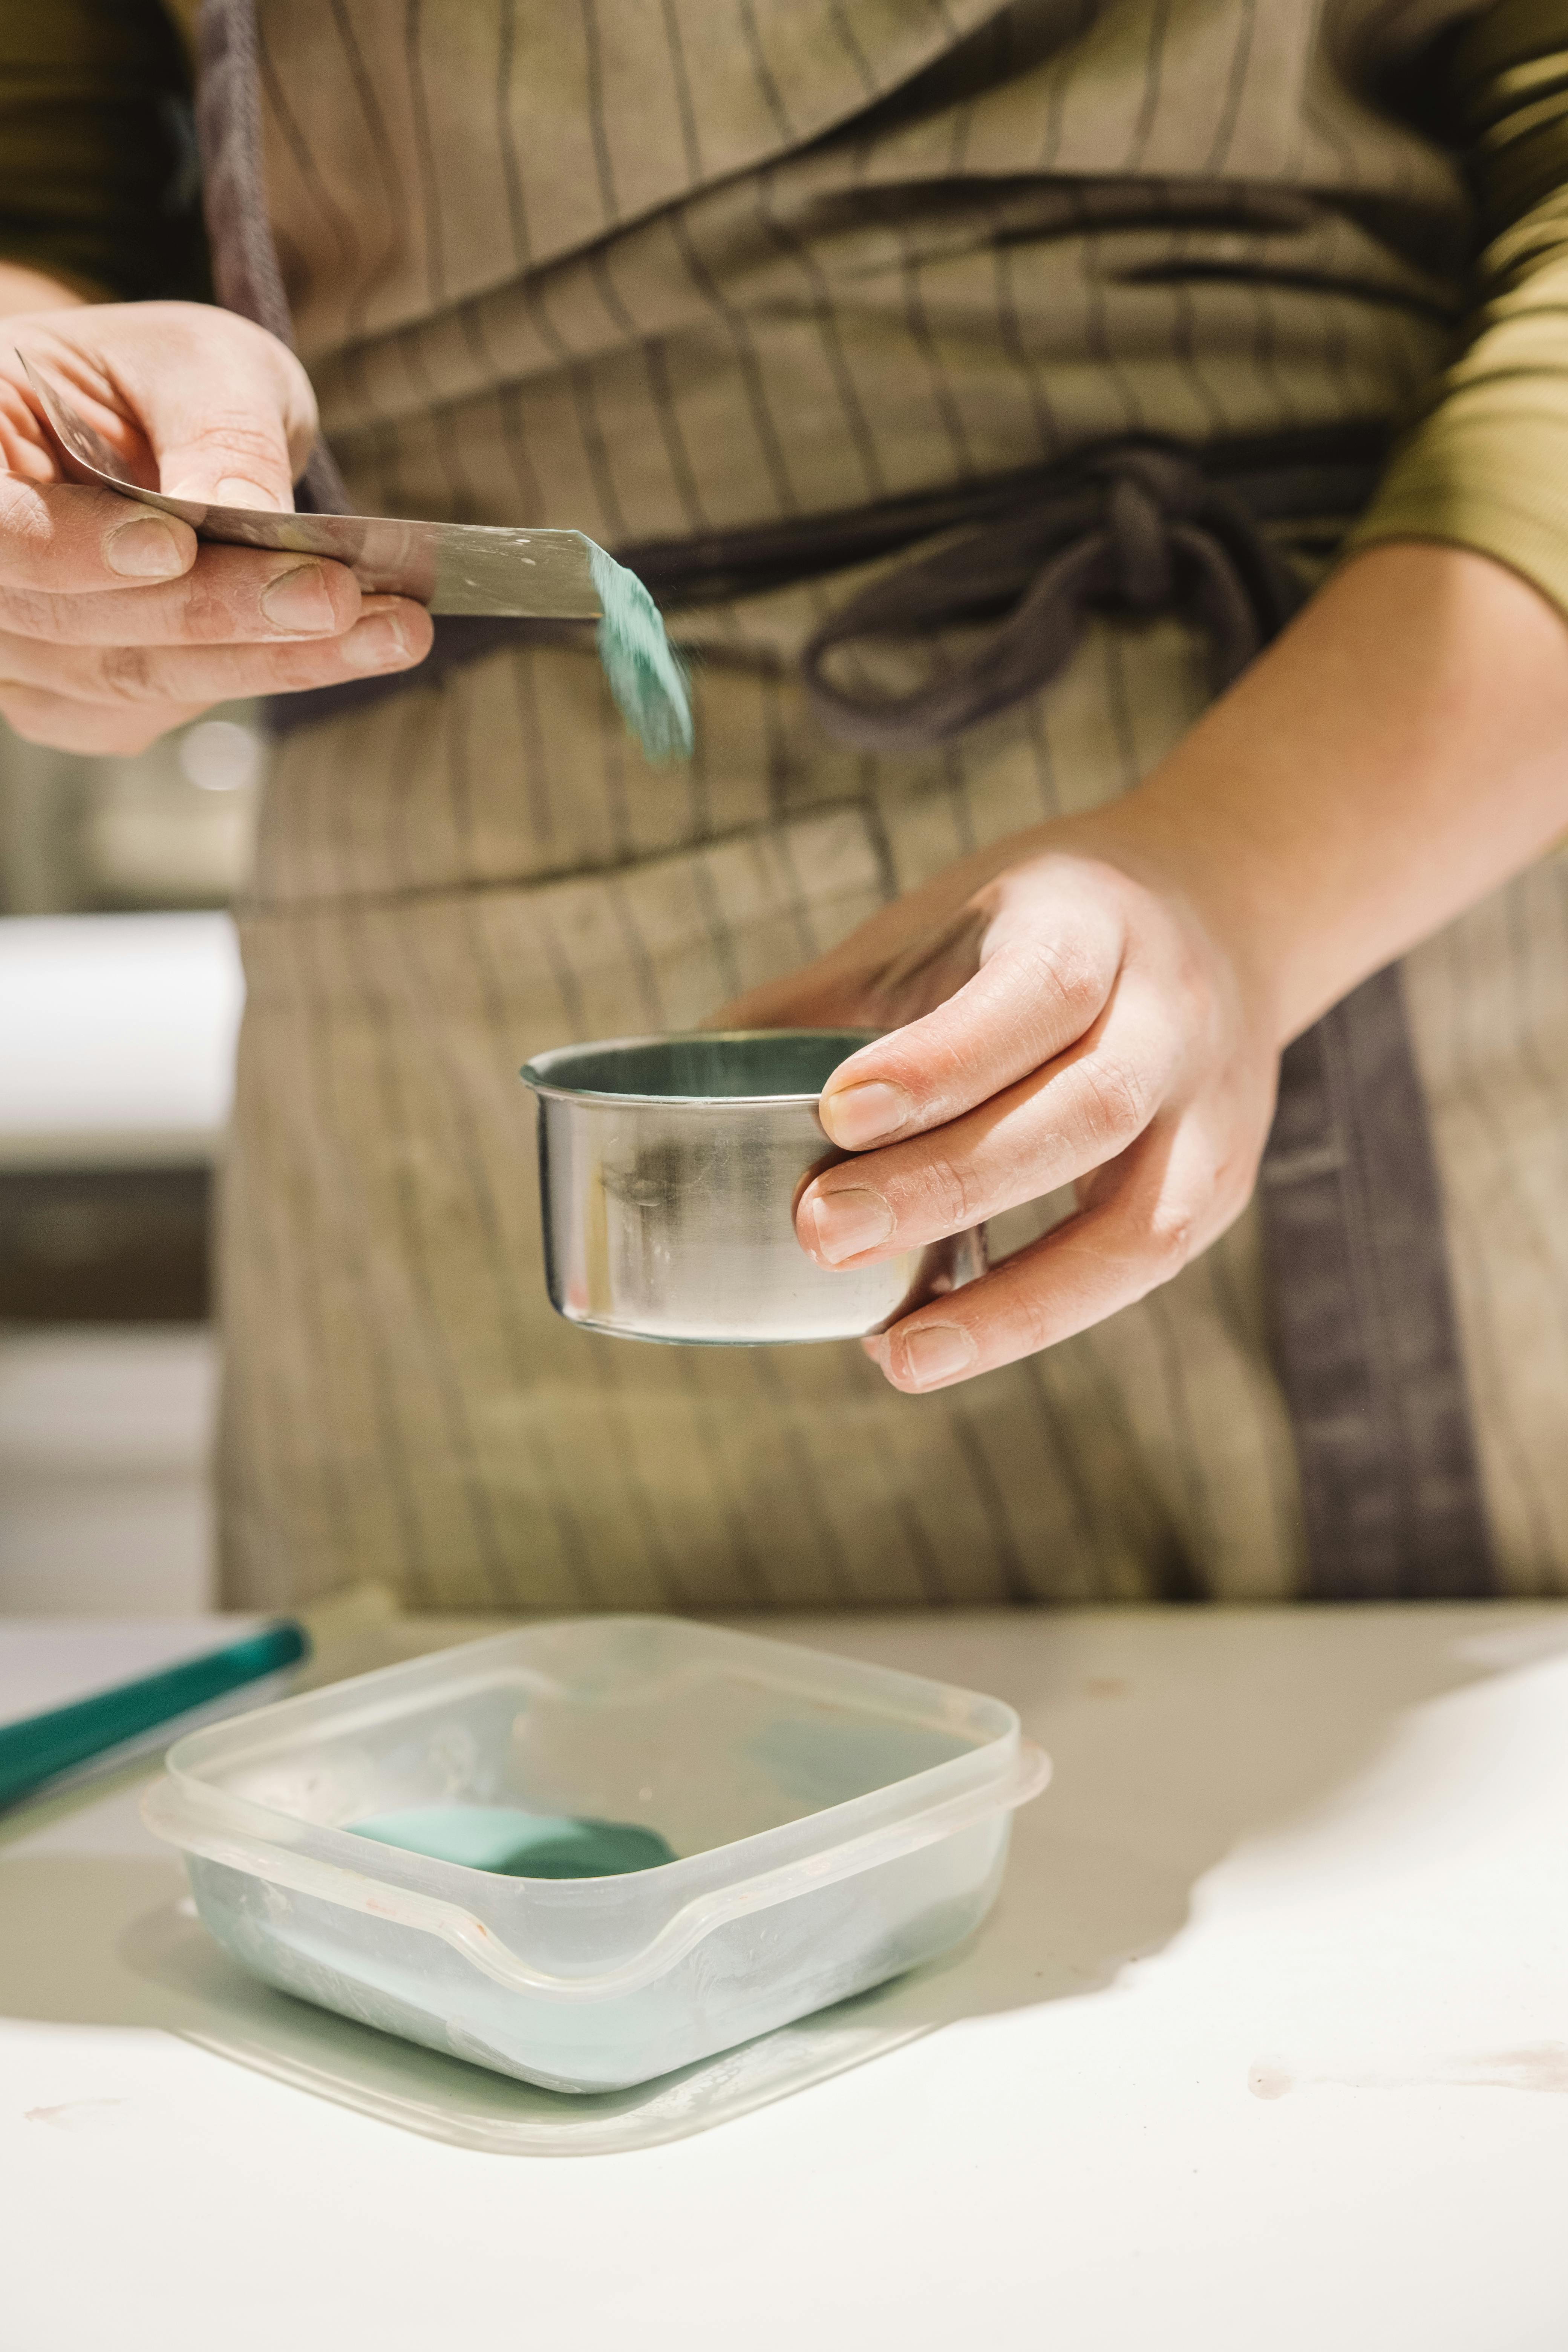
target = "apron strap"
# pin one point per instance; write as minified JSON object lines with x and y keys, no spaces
{"x":246,"y":274}
{"x":1366,"y":1337}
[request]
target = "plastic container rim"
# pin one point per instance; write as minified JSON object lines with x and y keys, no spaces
{"x":236,"y":1831}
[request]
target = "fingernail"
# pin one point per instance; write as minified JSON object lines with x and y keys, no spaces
{"x":144,"y":550}
{"x":377,"y":643}
{"x":233,"y":490}
{"x":299,"y":601}
{"x":858,"y":1114}
{"x":849,"y":1221}
{"x":935,"y":1352}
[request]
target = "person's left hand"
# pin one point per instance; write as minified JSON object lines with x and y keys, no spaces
{"x":1071,"y":1014}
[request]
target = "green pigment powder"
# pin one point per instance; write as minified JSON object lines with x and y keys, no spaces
{"x":517,"y":1845}
{"x":646,"y":677}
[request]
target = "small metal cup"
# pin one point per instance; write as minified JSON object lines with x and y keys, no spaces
{"x":669,"y":1168}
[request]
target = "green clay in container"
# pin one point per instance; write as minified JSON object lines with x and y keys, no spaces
{"x":516,"y":1844}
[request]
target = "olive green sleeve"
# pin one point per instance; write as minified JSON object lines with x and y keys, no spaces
{"x":99,"y":183}
{"x":1487,"y":465}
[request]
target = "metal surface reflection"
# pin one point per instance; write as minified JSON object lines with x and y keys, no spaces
{"x":669,"y":1168}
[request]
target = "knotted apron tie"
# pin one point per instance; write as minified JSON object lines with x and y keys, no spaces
{"x":1142,"y":530}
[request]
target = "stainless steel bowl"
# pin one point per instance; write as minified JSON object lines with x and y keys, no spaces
{"x":670,"y":1168}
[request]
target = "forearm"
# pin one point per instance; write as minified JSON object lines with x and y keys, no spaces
{"x":1404,"y":748}
{"x":29,"y":290}
{"x":1401,"y":751}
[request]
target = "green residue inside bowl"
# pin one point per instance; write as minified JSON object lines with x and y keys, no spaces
{"x":517,"y":1845}
{"x":646,"y":674}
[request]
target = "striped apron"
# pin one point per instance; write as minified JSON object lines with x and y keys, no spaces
{"x":811,"y":279}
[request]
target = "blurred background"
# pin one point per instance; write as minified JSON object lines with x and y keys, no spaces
{"x":120,"y":996}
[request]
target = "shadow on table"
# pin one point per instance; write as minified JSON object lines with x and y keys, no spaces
{"x":1175,"y":1736}
{"x":114,"y":1942}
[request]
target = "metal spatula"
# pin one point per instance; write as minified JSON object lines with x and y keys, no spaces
{"x":451,"y":567}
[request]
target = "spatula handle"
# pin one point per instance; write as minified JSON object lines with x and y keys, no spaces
{"x":34,"y":1750}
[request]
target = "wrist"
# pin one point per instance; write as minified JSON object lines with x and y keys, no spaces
{"x":1171,"y":834}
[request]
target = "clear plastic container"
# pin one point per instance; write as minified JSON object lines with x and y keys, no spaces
{"x":835,"y":1824}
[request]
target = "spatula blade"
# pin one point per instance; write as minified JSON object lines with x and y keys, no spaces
{"x":450,"y":567}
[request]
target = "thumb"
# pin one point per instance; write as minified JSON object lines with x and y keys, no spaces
{"x":228,"y":408}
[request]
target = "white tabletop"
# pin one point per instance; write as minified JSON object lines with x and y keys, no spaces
{"x":1266,"y":2046}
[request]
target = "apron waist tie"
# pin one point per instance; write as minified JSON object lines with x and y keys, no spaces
{"x":1138,"y":527}
{"x":1143,"y":526}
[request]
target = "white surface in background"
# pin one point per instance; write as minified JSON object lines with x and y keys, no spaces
{"x":117,"y":1036}
{"x":220,"y":757}
{"x":104,"y":1444}
{"x":1264,"y":2049}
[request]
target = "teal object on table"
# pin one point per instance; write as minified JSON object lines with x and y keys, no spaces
{"x":42,"y":1746}
{"x":518,"y":1844}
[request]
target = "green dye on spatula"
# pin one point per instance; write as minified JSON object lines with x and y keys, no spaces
{"x":646,"y":675}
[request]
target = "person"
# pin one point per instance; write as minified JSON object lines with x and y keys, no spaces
{"x":877,"y":284}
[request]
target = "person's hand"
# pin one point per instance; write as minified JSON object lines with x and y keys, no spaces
{"x":1104,"y":1000}
{"x":1068,"y":1016}
{"x":115,"y":625}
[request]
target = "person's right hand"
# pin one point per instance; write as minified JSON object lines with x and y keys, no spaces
{"x":115,"y":625}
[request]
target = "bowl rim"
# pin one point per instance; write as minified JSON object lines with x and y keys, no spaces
{"x":535,"y":1072}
